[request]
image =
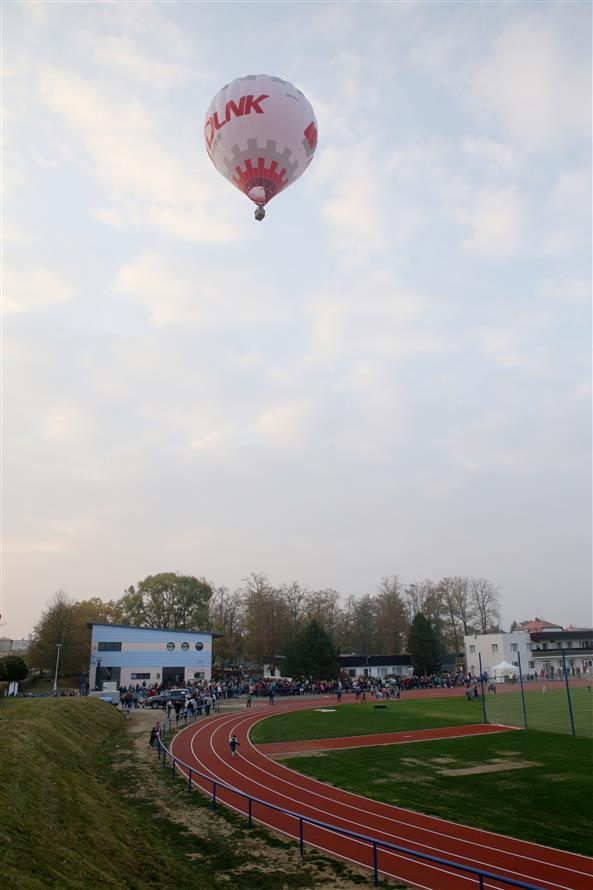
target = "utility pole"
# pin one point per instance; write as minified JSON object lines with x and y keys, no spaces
{"x":58,"y":647}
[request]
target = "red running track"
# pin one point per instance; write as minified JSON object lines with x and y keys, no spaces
{"x":283,"y":749}
{"x":204,"y":746}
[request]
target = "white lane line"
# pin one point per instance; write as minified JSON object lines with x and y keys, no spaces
{"x":214,"y":729}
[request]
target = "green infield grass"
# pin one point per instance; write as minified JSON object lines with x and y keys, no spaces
{"x":363,"y":718}
{"x":536,"y":786}
{"x":547,"y":711}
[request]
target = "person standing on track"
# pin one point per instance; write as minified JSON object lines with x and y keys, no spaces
{"x":234,"y":744}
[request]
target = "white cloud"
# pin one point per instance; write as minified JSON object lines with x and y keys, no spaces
{"x":368,"y":210}
{"x":66,"y":423}
{"x":213,"y":440}
{"x":125,"y":56}
{"x":535,"y":82}
{"x":495,"y":155}
{"x":202,"y":294}
{"x":487,"y":445}
{"x":285,"y":424}
{"x":568,"y":212}
{"x":31,"y":287}
{"x":373,"y":315}
{"x":57,"y":536}
{"x":525,"y":78}
{"x":569,"y":290}
{"x":499,"y":223}
{"x":146,"y":183}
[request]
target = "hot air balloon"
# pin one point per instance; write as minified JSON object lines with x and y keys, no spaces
{"x":261,"y":134}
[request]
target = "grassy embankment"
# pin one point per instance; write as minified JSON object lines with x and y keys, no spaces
{"x":85,"y":806}
{"x":550,"y":774}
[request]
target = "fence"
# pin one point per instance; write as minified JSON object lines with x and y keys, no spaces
{"x":374,"y":844}
{"x":561,"y":702}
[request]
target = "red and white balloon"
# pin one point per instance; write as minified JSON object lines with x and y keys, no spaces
{"x":261,"y":134}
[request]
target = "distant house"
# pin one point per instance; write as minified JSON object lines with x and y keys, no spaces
{"x":537,"y":626}
{"x":7,"y":645}
{"x":489,"y":650}
{"x":379,"y":666}
{"x":536,"y":652}
{"x":548,"y":648}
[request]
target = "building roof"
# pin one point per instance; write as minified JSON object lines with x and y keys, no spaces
{"x":583,"y":633}
{"x":177,"y":630}
{"x":373,"y":660}
{"x":537,"y":625}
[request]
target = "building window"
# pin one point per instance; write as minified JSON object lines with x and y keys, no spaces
{"x":185,"y":646}
{"x":472,"y":649}
{"x":110,"y":674}
{"x":109,"y":647}
{"x":140,"y":676}
{"x":199,"y":646}
{"x":494,"y":647}
{"x":514,"y":647}
{"x":170,"y":646}
{"x":199,"y":675}
{"x":531,"y":664}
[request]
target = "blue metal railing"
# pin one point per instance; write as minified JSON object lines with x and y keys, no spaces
{"x":479,"y":873}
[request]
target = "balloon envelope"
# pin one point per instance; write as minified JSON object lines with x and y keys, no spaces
{"x":261,"y":134}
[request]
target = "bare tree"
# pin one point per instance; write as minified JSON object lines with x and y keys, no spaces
{"x":267,"y":629}
{"x":296,"y":599}
{"x":344,"y":624}
{"x":323,"y":606}
{"x":364,"y":624}
{"x":391,"y":618}
{"x":226,"y":618}
{"x":486,"y":603}
{"x":427,"y":597}
{"x":459,"y":608}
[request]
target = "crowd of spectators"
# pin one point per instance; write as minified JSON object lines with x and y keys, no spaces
{"x":238,"y":686}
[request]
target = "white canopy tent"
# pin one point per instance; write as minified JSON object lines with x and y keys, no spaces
{"x":501,"y":670}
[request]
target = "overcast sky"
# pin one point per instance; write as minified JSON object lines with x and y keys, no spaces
{"x":389,"y":375}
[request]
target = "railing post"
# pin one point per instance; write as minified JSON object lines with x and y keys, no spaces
{"x":375,"y":866}
{"x":164,"y":758}
{"x":482,"y":685}
{"x":522,"y":694}
{"x":565,"y":669}
{"x":481,"y":882}
{"x":213,"y":795}
{"x":301,"y":836}
{"x":173,"y":769}
{"x":249,"y":819}
{"x":189,"y":780}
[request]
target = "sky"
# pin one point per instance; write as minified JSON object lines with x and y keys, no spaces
{"x":390,"y":375}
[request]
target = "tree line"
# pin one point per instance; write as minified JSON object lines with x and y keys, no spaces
{"x":259,"y":622}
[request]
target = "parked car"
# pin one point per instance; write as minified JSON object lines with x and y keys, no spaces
{"x":159,"y":701}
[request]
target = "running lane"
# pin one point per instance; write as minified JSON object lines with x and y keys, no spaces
{"x":204,"y":746}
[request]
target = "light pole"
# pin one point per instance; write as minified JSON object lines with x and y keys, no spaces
{"x":58,"y":647}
